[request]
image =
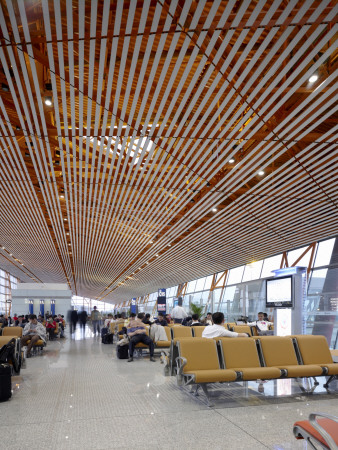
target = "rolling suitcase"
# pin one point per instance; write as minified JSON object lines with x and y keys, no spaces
{"x":104,"y":331}
{"x":5,"y":381}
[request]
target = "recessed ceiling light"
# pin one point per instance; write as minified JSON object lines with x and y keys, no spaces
{"x":313,"y":78}
{"x":261,"y":172}
{"x":231,"y":161}
{"x":156,"y":255}
{"x":214,"y":209}
{"x":48,"y":101}
{"x":151,"y":242}
{"x":62,"y":196}
{"x":10,"y":254}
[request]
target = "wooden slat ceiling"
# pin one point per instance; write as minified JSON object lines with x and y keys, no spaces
{"x":111,"y":188}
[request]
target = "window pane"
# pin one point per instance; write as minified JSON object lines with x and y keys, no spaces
{"x":191,"y":286}
{"x":252,"y":271}
{"x":293,"y":255}
{"x":270,"y":264}
{"x":200,"y":284}
{"x":235,"y":275}
{"x":208,"y":282}
{"x":324,"y":253}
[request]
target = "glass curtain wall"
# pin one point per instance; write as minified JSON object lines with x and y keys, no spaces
{"x":244,"y":290}
{"x":7,"y":283}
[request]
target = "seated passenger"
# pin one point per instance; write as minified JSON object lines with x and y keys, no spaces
{"x":40,"y":318}
{"x":137,"y":333}
{"x":261,"y":324}
{"x":167,"y":318}
{"x":186,"y":321}
{"x":161,"y":320}
{"x":33,"y":331}
{"x":208,"y":319}
{"x":195,"y":321}
{"x":146,"y":318}
{"x":20,"y":322}
{"x":50,"y":328}
{"x":217,"y":330}
{"x":108,"y":320}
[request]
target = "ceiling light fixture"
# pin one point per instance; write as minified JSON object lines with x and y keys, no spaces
{"x":214,"y":209}
{"x":313,"y":78}
{"x":261,"y":172}
{"x":62,"y":196}
{"x":231,"y":160}
{"x":48,"y":101}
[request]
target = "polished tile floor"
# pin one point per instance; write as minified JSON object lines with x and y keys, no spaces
{"x":78,"y":395}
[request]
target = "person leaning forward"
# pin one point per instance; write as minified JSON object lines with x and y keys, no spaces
{"x":32,"y":332}
{"x":137,"y":332}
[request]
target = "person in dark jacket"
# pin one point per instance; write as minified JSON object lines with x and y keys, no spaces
{"x":83,"y":316}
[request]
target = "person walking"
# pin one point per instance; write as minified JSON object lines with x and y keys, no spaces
{"x":96,"y":318}
{"x":83,"y":319}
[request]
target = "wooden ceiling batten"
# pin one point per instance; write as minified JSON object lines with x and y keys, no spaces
{"x":150,"y":101}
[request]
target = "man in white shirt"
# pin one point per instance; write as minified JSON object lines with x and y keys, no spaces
{"x":218,"y":330}
{"x":261,"y":324}
{"x":178,"y":313}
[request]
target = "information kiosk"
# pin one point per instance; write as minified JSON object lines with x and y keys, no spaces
{"x":286,"y":294}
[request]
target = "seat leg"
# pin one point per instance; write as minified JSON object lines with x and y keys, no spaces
{"x":332,"y":377}
{"x":194,"y":389}
{"x":316,"y":382}
{"x":205,"y":390}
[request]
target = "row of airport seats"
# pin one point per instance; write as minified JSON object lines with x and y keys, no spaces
{"x":202,"y":361}
{"x":178,"y":331}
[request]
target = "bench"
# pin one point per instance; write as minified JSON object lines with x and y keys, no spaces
{"x":266,"y":357}
{"x":280,"y":352}
{"x":198,"y":363}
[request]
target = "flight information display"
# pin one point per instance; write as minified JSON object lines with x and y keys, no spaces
{"x":279,"y":293}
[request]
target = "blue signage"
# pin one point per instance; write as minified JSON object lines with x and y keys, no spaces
{"x":162,"y":301}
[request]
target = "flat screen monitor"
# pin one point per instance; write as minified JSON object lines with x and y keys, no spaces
{"x":279,"y":292}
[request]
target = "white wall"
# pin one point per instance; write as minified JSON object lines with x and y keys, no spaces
{"x":41,"y":291}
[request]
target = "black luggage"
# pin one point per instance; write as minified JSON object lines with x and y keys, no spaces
{"x":104,"y":331}
{"x":122,"y":351}
{"x":107,"y":338}
{"x":5,"y":381}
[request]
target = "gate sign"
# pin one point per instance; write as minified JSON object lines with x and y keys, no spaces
{"x":161,"y":301}
{"x":133,"y":306}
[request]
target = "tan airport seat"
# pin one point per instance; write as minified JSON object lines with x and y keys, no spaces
{"x":5,"y":339}
{"x":179,"y":332}
{"x":167,"y":343}
{"x":198,"y":331}
{"x":240,"y":354}
{"x":230,"y":325}
{"x":202,"y":363}
{"x":315,"y":350}
{"x":279,"y":352}
{"x":242,"y":329}
{"x":12,"y":331}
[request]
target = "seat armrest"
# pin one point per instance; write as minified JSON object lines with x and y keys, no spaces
{"x":321,"y":431}
{"x":180,"y":363}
